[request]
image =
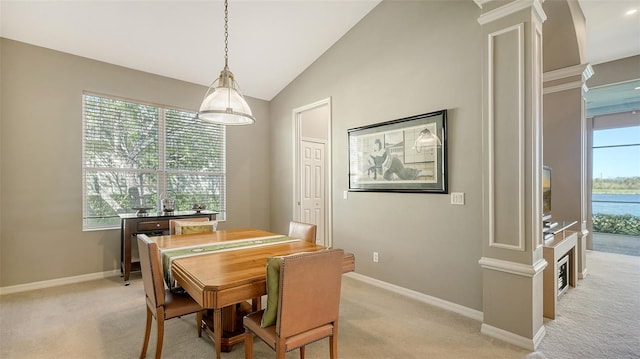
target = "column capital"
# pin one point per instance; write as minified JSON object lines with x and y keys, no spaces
{"x":567,"y":78}
{"x":510,"y":8}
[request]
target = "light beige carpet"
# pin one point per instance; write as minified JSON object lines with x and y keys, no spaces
{"x":600,"y":318}
{"x":104,"y":319}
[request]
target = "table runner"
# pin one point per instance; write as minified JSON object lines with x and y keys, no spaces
{"x":169,"y":255}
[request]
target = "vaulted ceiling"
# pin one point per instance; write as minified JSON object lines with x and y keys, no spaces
{"x":270,"y":41}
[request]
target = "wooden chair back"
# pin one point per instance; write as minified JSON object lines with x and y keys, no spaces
{"x":308,"y":305}
{"x":151,"y":268}
{"x":172,"y":222}
{"x":304,"y":231}
{"x":309,"y":295}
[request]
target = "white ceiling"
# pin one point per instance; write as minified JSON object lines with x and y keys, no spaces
{"x":611,"y":33}
{"x":270,"y":41}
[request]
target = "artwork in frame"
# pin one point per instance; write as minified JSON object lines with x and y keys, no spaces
{"x":404,"y":155}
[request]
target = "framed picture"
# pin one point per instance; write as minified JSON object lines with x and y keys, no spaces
{"x":404,"y":155}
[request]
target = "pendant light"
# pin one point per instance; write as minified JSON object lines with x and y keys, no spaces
{"x":223,"y":103}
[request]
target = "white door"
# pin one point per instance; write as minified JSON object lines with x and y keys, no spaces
{"x":312,"y":192}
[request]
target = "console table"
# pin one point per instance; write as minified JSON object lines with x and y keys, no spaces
{"x":562,"y":243}
{"x":149,"y":223}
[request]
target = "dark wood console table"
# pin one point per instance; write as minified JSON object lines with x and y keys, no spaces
{"x":150,"y":223}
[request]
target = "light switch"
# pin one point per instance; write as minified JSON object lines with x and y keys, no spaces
{"x":457,"y":198}
{"x":345,"y":195}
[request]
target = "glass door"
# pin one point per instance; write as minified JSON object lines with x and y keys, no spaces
{"x":616,"y":190}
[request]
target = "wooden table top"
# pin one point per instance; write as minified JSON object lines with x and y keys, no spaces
{"x":216,"y":271}
{"x":187,"y":240}
{"x":222,"y":278}
{"x":220,"y":270}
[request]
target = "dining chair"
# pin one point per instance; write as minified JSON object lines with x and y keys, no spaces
{"x":308,"y":303}
{"x":192,"y":225}
{"x":161,"y":303}
{"x":304,"y":231}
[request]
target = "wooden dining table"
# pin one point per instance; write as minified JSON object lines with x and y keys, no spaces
{"x":221,"y":281}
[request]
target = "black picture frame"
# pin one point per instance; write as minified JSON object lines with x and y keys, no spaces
{"x":403,"y":155}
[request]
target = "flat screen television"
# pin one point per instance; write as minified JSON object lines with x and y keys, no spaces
{"x":546,"y":193}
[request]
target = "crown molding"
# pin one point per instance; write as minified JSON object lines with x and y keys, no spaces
{"x":565,"y":87}
{"x":584,"y":70}
{"x":509,"y":9}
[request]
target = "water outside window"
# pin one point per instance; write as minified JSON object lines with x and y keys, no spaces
{"x":616,"y":189}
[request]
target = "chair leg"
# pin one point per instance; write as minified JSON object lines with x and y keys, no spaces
{"x":302,"y":352}
{"x":199,"y":323}
{"x":333,"y":342}
{"x":333,"y":347}
{"x":256,"y":304}
{"x":248,"y":345}
{"x":147,"y":332}
{"x":280,"y":350}
{"x":160,"y":320}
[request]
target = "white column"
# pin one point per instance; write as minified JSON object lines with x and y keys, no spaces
{"x":512,"y":262}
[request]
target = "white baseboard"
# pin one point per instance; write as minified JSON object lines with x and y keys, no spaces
{"x":583,"y":274}
{"x":511,"y":338}
{"x":437,"y":302}
{"x":488,"y":330}
{"x":57,"y":282}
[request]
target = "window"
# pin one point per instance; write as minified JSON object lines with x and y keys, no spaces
{"x":616,"y":152}
{"x":135,"y":153}
{"x":616,"y":183}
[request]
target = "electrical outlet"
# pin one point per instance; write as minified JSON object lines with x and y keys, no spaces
{"x":375,"y":257}
{"x":457,"y":198}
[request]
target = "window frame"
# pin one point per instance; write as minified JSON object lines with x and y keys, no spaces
{"x":162,"y":173}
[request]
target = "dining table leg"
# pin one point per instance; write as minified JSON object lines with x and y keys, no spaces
{"x":217,"y":330}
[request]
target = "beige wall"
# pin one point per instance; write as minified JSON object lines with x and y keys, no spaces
{"x":402,"y":59}
{"x":562,"y":152}
{"x":41,"y":235}
{"x":610,"y":73}
{"x":565,"y":21}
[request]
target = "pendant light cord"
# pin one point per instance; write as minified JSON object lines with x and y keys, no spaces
{"x":226,"y":34}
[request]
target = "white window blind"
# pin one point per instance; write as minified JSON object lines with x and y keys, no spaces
{"x":135,"y":153}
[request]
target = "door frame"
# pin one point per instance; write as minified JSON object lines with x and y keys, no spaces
{"x":297,"y":138}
